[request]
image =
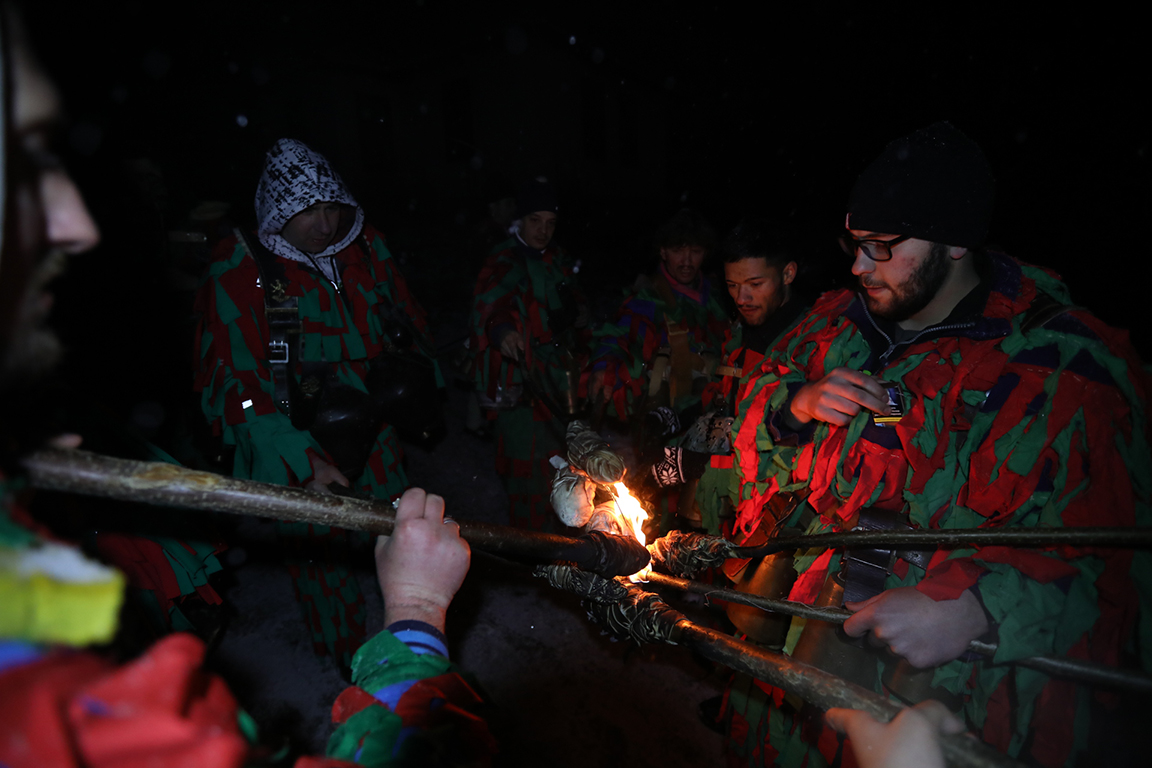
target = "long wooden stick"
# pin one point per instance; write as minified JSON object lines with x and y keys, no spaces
{"x":926,"y":539}
{"x":822,"y":689}
{"x":631,"y":613}
{"x":168,"y":485}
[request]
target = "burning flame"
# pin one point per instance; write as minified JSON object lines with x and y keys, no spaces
{"x":631,"y":516}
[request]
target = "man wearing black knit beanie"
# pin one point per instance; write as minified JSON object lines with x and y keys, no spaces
{"x":954,"y":388}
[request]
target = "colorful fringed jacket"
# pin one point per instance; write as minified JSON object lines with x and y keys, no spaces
{"x":627,"y":347}
{"x":1042,"y":427}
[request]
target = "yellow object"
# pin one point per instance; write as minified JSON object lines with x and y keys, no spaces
{"x":53,"y":594}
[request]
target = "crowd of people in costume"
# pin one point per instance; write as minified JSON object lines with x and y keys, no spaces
{"x":952,"y":387}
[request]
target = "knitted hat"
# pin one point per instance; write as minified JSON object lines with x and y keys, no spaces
{"x":934,"y":184}
{"x":533,"y":196}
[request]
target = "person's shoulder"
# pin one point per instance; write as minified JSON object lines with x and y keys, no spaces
{"x":824,"y":321}
{"x":501,"y":269}
{"x":558,"y":259}
{"x":501,"y":258}
{"x":503,"y":249}
{"x":644,"y":285}
{"x":375,"y":238}
{"x":232,"y":260}
{"x":1055,"y":334}
{"x":832,"y":303}
{"x":1044,"y":302}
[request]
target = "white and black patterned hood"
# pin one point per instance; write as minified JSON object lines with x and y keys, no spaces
{"x":294,"y":178}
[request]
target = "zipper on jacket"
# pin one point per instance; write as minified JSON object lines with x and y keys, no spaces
{"x":892,"y":345}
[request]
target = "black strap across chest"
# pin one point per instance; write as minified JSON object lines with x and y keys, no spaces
{"x":283,"y":314}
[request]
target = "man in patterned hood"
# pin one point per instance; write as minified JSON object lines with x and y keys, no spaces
{"x":956,"y":388}
{"x":291,"y":322}
{"x":304,"y":211}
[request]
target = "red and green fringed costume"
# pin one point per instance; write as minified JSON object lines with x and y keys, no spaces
{"x":626,"y":347}
{"x":519,"y":289}
{"x":744,"y":349}
{"x":237,"y":396}
{"x":1046,"y":428}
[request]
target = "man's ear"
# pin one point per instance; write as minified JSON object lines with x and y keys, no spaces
{"x":789,"y":272}
{"x":956,"y":253}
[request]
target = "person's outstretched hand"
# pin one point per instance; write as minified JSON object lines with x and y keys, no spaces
{"x":422,"y":564}
{"x":911,"y":740}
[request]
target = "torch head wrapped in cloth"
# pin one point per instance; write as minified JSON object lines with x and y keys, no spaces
{"x":589,"y":453}
{"x":572,"y":494}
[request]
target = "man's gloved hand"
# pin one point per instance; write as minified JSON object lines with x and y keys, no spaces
{"x":669,"y":470}
{"x":663,"y":421}
{"x":677,"y":466}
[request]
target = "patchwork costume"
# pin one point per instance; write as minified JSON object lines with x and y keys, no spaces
{"x":532,"y":293}
{"x":672,"y":332}
{"x":1019,"y":411}
{"x":337,"y":303}
{"x":744,"y":349}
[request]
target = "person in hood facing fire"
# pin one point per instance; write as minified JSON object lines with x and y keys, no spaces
{"x":61,"y":704}
{"x":296,"y":323}
{"x":528,"y":345}
{"x":955,"y":388}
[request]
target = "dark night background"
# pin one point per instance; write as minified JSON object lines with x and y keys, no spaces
{"x":432,"y":110}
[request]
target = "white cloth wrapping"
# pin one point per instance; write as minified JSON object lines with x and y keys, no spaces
{"x":572,"y":494}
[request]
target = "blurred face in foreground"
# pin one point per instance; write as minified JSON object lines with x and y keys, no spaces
{"x":45,"y":218}
{"x":758,"y":288}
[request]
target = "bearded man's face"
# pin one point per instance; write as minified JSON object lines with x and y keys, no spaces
{"x":904,"y":285}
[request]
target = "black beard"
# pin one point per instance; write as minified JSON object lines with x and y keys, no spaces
{"x":34,"y":349}
{"x":30,"y":359}
{"x":919,"y":290}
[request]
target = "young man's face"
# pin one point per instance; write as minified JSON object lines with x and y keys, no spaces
{"x":313,"y":229}
{"x":758,"y":288}
{"x":45,"y":221}
{"x":904,"y":285}
{"x":536,"y":229}
{"x":683,"y":263}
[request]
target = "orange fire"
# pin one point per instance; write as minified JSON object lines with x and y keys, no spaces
{"x":631,"y":516}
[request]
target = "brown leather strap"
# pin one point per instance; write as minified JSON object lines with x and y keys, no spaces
{"x":682,"y":360}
